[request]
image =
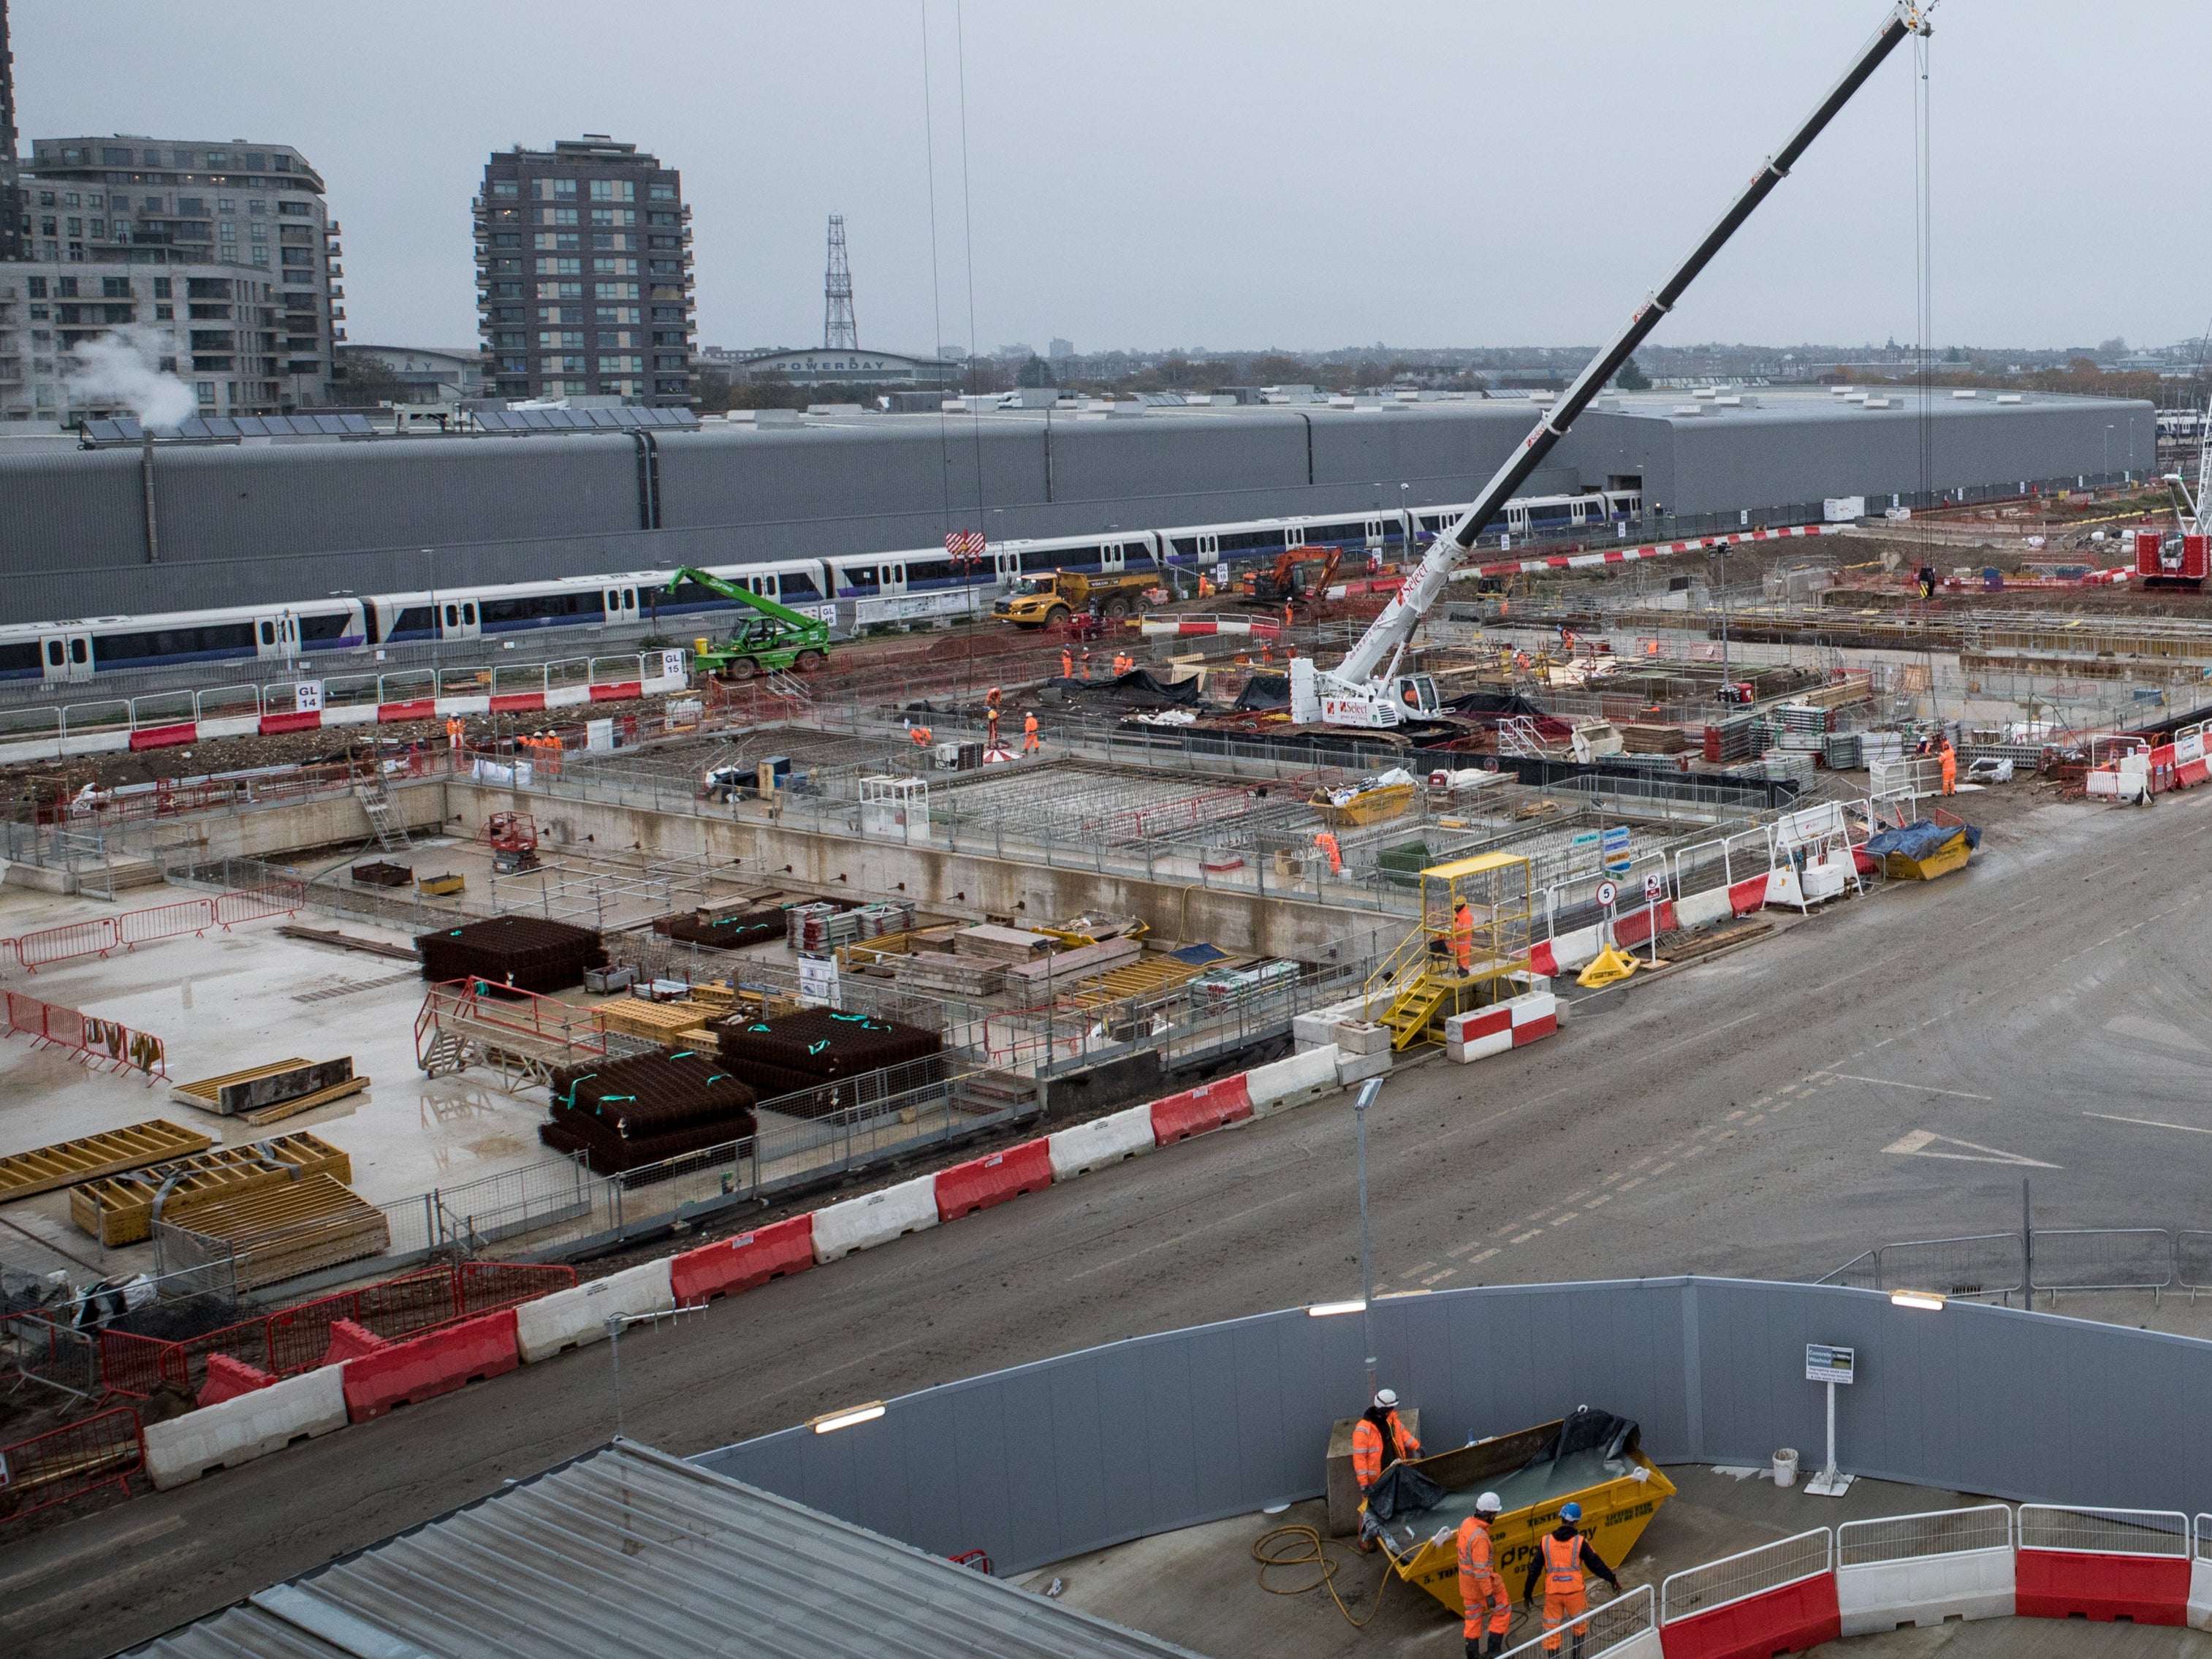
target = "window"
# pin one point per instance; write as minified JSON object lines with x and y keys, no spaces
{"x":261,"y":255}
{"x":164,"y":313}
{"x":295,"y":256}
{"x":77,"y":226}
{"x":621,"y":365}
{"x":614,"y":216}
{"x":563,"y":314}
{"x":564,"y":365}
{"x":676,"y":361}
{"x":291,"y":209}
{"x":615,"y":338}
{"x":506,"y":290}
{"x":613,"y":189}
{"x":119,"y":313}
{"x":553,"y":190}
{"x":255,"y":162}
{"x":612,"y":241}
{"x":618,"y":313}
{"x":69,"y":199}
{"x":505,"y":187}
{"x":667,"y":314}
{"x":36,"y":287}
{"x":663,"y":192}
{"x":115,"y":158}
{"x":667,"y":242}
{"x":514,"y":365}
{"x":556,"y":215}
{"x":207,"y":287}
{"x":281,"y":163}
{"x":65,"y":287}
{"x":560,"y":241}
{"x":668,"y":219}
{"x":256,"y":206}
{"x":161,"y":287}
{"x":617,"y":290}
{"x":614,"y":267}
{"x":557,"y":341}
{"x":559,"y":267}
{"x":560,"y":290}
{"x":668,"y":337}
{"x":193,"y":207}
{"x":204,"y":391}
{"x":226,"y":204}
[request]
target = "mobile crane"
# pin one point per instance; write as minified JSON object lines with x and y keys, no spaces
{"x":1366,"y":688}
{"x":776,"y":638}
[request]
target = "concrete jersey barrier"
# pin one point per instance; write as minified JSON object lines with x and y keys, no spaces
{"x":1101,"y":1143}
{"x":878,"y":1219}
{"x":250,"y":1425}
{"x":1293,"y":1082}
{"x":576,"y":1318}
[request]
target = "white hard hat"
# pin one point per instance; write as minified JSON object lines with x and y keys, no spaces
{"x":1488,"y":1503}
{"x":1386,"y":1398}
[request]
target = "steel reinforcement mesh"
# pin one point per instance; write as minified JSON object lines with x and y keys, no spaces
{"x":822,"y":1043}
{"x":623,"y":1114}
{"x":528,"y":953}
{"x":725,"y":932}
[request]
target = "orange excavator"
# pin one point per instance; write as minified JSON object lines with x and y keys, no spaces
{"x":1287,"y":583}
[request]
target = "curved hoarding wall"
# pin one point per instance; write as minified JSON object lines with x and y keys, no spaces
{"x":1045,"y":1461}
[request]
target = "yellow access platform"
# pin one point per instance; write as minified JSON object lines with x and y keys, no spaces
{"x":1619,"y":1493}
{"x":1445,"y":967}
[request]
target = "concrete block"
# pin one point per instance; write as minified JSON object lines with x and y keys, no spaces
{"x":1358,"y":1036}
{"x":859,"y":1223}
{"x":577,"y":1318}
{"x":1352,"y":1068}
{"x":244,"y":1427}
{"x":1699,"y":909}
{"x":1313,"y":1031}
{"x":1293,"y":1082}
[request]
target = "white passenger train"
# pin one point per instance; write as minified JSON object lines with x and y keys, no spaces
{"x":83,"y":650}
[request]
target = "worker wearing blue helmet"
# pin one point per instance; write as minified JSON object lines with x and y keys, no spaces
{"x":1561,"y":1556}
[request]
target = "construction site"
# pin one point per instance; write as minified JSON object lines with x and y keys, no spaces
{"x":1527,"y":1072}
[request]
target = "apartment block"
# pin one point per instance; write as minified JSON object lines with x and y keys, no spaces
{"x":584,"y":284}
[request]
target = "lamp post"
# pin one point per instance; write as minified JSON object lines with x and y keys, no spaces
{"x":1367,"y":1091}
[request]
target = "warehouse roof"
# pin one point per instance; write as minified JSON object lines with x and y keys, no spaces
{"x":628,"y":1551}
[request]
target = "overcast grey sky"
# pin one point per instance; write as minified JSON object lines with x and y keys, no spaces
{"x":1224,"y":172}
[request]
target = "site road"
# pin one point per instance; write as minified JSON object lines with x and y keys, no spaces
{"x":1889,"y":1071}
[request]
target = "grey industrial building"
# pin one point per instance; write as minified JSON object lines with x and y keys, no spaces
{"x":289,"y":519}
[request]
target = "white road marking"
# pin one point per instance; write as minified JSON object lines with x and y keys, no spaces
{"x":1917,"y":1145}
{"x":1925,"y":1089}
{"x":1446,"y":1273}
{"x":2149,"y":1123}
{"x":1638,"y":1181}
{"x":1535,"y":1232}
{"x":1602,"y":1198}
{"x":1485,"y":1257}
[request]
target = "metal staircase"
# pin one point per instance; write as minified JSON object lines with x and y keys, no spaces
{"x":376,"y":801}
{"x":1517,"y":735}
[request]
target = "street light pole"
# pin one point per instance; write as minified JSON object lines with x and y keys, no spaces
{"x":1367,"y":1091}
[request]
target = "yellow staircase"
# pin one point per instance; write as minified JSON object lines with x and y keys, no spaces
{"x":1413,"y":1008}
{"x":1421,"y":978}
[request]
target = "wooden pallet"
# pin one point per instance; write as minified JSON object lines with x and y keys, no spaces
{"x":296,"y":1227}
{"x":90,"y":1156}
{"x":206,"y":1093}
{"x":1133,"y":982}
{"x":307,"y":1102}
{"x":655,"y":1022}
{"x":119,"y":1210}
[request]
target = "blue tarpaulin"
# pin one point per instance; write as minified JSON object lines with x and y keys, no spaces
{"x":1922,"y":839}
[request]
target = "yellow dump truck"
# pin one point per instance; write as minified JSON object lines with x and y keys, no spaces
{"x":1038,"y":601}
{"x":1590,"y":1458}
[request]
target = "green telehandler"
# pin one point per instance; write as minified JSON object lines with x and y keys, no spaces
{"x":776,"y":639}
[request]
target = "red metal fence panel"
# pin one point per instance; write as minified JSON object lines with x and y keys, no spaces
{"x":67,"y":1461}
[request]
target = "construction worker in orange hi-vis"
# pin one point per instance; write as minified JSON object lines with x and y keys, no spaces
{"x":1286,"y":615}
{"x":1330,"y":850}
{"x":1463,"y":937}
{"x":1066,"y":664}
{"x":922,"y":736}
{"x":1029,"y":746}
{"x":1950,"y":768}
{"x":1561,"y":1555}
{"x":1482,"y":1592}
{"x":1379,"y":1439}
{"x":1086,"y":663}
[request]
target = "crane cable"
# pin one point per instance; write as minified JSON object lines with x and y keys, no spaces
{"x":1924,"y":264}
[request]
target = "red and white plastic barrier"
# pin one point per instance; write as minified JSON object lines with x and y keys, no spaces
{"x":993,"y":1179}
{"x":1513,"y":1023}
{"x":729,"y":1265}
{"x":1195,"y":1111}
{"x":1199,"y":627}
{"x":1798,"y":1610}
{"x":1887,"y":1577}
{"x":1631,"y":555}
{"x":2104,"y":1564}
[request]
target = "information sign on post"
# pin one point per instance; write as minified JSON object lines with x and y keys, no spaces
{"x":1654,"y":889}
{"x":1607,"y":892}
{"x":1826,"y":1363}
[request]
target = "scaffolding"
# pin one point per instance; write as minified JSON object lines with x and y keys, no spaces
{"x":1474,"y":933}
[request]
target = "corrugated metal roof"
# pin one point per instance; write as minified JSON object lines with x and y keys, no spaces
{"x":630,"y":1551}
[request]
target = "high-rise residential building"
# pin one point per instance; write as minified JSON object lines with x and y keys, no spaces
{"x":584,"y":284}
{"x":218,"y":259}
{"x":11,"y":204}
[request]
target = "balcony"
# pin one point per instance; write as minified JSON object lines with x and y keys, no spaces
{"x":332,"y":250}
{"x":336,"y":271}
{"x":337,"y":293}
{"x":337,"y":315}
{"x":331,"y":228}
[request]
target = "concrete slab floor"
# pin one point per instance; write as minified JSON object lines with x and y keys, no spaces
{"x":225,"y":1001}
{"x":1200,"y":1586}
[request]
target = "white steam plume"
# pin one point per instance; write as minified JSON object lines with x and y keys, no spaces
{"x":122,"y":367}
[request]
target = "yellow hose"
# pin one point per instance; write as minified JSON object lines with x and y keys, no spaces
{"x":1304,"y":1547}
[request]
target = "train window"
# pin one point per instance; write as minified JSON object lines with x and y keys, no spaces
{"x":929,"y":572}
{"x":629,"y":598}
{"x":537,"y":607}
{"x":414,"y":619}
{"x":269,"y":632}
{"x":799,"y":585}
{"x":331,"y":625}
{"x":53,"y":653}
{"x":18,"y":659}
{"x":469,"y":613}
{"x":452,"y":616}
{"x":76,"y":651}
{"x":614,"y":599}
{"x":217,"y":639}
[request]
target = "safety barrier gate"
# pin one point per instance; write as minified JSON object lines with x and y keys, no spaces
{"x":1627,"y":1627}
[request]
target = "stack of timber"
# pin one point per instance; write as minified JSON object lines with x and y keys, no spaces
{"x":280,"y":1089}
{"x":1653,"y":739}
{"x":90,"y":1156}
{"x":280,"y":1232}
{"x":118,"y":1209}
{"x":1070,"y":967}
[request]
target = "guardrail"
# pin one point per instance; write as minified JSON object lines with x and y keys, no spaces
{"x":1982,"y":1266}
